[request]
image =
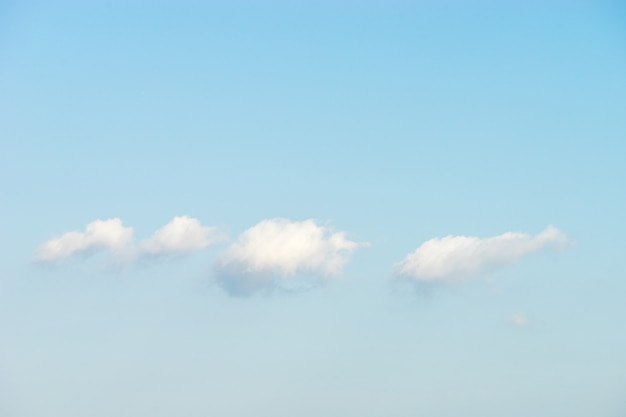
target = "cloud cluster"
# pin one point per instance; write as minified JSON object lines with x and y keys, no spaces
{"x":99,"y":235}
{"x":455,"y":258}
{"x":180,"y":236}
{"x":292,"y":255}
{"x":282,"y":253}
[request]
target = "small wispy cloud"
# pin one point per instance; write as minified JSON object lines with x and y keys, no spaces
{"x":282,"y":253}
{"x":457,"y":258}
{"x":99,"y":235}
{"x":182,"y":235}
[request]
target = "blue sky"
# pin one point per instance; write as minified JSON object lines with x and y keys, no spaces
{"x":284,"y":177}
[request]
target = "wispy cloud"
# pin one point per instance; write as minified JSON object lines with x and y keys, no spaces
{"x":182,"y":235}
{"x":99,"y":235}
{"x":456,"y":258}
{"x":282,"y":253}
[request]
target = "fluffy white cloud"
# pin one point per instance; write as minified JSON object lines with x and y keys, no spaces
{"x":98,"y":235}
{"x":182,"y":235}
{"x":454,"y":258}
{"x":279,"y":252}
{"x":518,"y":320}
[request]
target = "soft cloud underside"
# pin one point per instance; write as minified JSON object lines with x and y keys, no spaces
{"x":275,"y":251}
{"x":455,"y":258}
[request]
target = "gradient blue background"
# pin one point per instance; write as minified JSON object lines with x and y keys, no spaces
{"x":395,"y":121}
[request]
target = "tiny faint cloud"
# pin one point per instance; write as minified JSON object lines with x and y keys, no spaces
{"x":517,"y":320}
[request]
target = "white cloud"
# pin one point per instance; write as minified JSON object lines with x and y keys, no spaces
{"x":98,"y":235}
{"x":518,"y":320}
{"x":182,"y":235}
{"x":280,"y":252}
{"x":455,"y":258}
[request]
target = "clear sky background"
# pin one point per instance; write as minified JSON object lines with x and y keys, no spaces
{"x":394,"y":122}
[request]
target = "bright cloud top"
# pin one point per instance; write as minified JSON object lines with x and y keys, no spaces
{"x":274,"y":251}
{"x":181,"y":236}
{"x":454,"y":258}
{"x":98,"y":235}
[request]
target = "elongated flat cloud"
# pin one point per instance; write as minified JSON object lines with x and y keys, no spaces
{"x":282,"y":253}
{"x":456,"y":258}
{"x":99,"y":235}
{"x":181,"y":236}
